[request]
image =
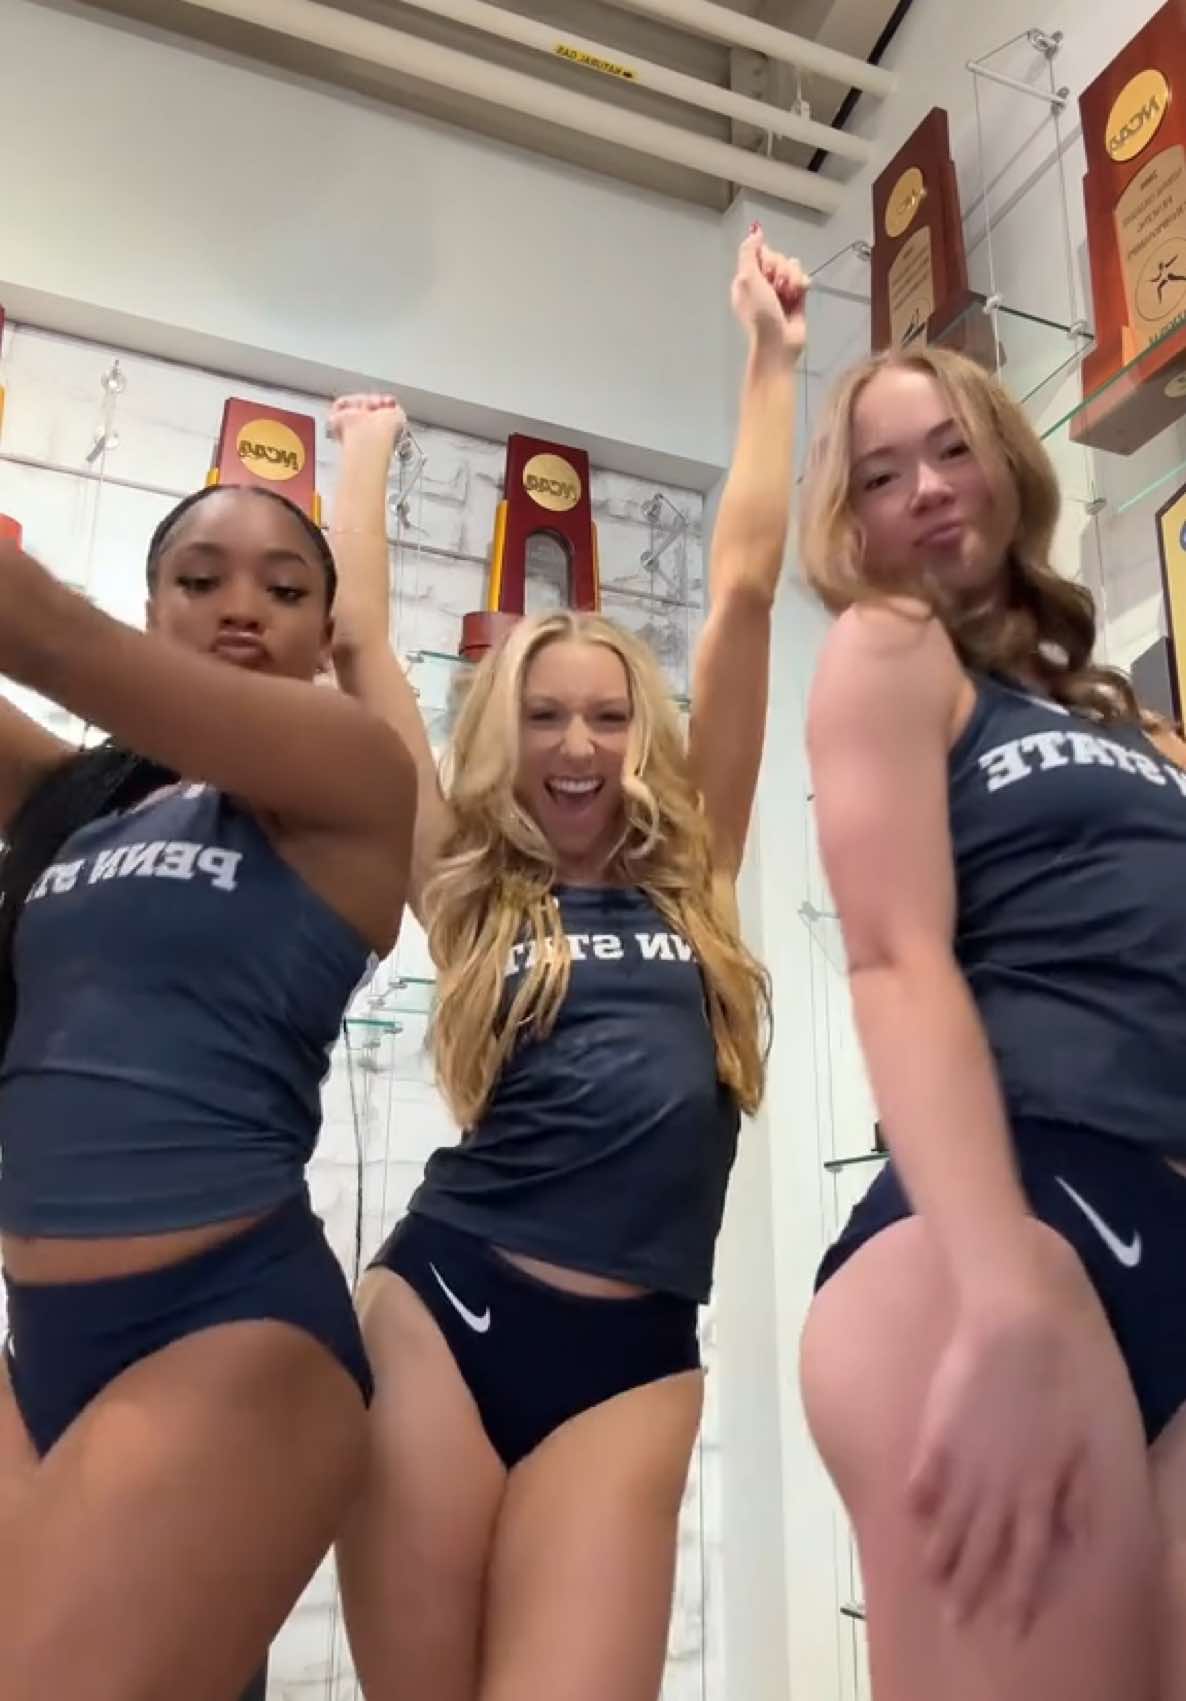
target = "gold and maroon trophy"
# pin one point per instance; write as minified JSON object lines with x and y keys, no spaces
{"x":1134,"y":135}
{"x":920,"y":267}
{"x":546,"y":491}
{"x":271,"y":449}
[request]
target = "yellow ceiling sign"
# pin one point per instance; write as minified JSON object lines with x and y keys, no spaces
{"x":607,"y":67}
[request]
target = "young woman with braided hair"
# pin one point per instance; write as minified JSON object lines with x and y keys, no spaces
{"x":183,"y":1401}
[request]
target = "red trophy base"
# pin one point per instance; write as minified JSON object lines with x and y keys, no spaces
{"x":10,"y":528}
{"x":1134,"y":137}
{"x":963,"y":326}
{"x":484,"y":630}
{"x":1147,"y":398}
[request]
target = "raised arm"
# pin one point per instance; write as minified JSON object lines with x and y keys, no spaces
{"x":1001,"y":1430}
{"x":368,"y":429}
{"x":730,"y":681}
{"x":309,"y":757}
{"x":882,"y":709}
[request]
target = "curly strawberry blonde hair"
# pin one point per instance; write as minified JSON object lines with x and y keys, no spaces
{"x":1046,"y":626}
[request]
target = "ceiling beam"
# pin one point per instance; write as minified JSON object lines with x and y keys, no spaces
{"x":343,"y":32}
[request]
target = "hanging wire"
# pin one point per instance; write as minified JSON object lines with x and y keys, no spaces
{"x":58,"y":720}
{"x":1074,"y":316}
{"x":703,"y":1555}
{"x":993,"y":298}
{"x":106,"y":438}
{"x":858,"y":247}
{"x":825,"y":1146}
{"x":1022,"y":35}
{"x":356,"y":1114}
{"x":383,"y":1218}
{"x":359,"y":1114}
{"x":407,"y":450}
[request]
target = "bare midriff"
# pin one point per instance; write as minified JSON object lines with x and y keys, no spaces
{"x":573,"y":1281}
{"x":44,"y":1259}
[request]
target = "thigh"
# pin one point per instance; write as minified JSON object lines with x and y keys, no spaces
{"x":583,"y":1565}
{"x":1168,"y":1464}
{"x":169,"y":1532}
{"x":18,"y":1456}
{"x":872,"y":1339}
{"x":412,"y":1555}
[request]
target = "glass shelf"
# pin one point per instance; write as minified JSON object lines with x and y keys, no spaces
{"x":1037,"y":359}
{"x":826,"y":934}
{"x":1108,"y":538}
{"x":1033,"y":353}
{"x":404,"y":995}
{"x":371,"y":1025}
{"x":835,"y":1165}
{"x":1125,"y":379}
{"x":440,"y":678}
{"x":1100,"y":479}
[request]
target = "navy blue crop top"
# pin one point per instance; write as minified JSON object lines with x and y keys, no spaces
{"x":1070,"y":854}
{"x":607,"y":1145}
{"x":179,"y":989}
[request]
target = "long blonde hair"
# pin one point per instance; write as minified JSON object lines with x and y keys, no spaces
{"x":492,"y":888}
{"x":1045,"y":627}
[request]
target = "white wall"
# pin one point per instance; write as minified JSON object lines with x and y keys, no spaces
{"x":163,"y":187}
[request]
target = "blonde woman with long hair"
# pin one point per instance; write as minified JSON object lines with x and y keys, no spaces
{"x":599,"y":1028}
{"x":994,"y":1366}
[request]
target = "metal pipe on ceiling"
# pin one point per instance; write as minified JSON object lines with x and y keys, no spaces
{"x":643,"y":73}
{"x":719,"y":23}
{"x":342,"y":32}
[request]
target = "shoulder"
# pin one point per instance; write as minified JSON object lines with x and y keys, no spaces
{"x":892,"y":660}
{"x":890,"y":630}
{"x":1164,"y":739}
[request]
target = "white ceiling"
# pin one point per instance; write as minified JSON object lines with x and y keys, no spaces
{"x":850,"y":26}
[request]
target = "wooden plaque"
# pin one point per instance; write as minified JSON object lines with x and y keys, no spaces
{"x":270,"y":448}
{"x":1134,"y":134}
{"x":546,"y":490}
{"x":920,"y":268}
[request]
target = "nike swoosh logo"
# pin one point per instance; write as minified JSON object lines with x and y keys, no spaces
{"x":1126,"y":1252}
{"x":478,"y":1324}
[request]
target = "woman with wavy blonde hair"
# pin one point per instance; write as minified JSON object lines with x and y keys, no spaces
{"x":660,"y":843}
{"x":599,"y":1028}
{"x":994,"y":1366}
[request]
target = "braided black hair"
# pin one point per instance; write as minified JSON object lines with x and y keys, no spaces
{"x":88,"y":784}
{"x":313,"y":531}
{"x":91,"y":783}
